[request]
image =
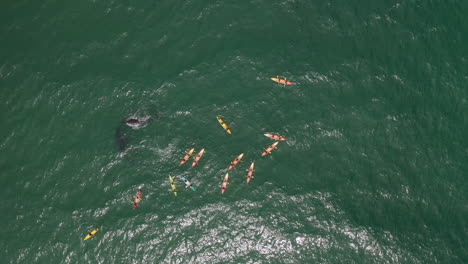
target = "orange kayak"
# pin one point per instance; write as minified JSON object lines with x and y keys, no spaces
{"x":187,"y":156}
{"x":282,"y":81}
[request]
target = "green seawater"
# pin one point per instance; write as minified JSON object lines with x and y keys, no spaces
{"x":374,"y":168}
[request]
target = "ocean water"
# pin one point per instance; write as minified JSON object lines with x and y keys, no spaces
{"x":373,"y":169}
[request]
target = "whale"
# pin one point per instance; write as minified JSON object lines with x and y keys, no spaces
{"x":121,"y":140}
{"x":137,"y":122}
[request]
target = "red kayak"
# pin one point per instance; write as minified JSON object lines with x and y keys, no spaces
{"x":225,"y":183}
{"x":270,"y":148}
{"x":275,"y":137}
{"x":250,"y":174}
{"x":234,"y":162}
{"x":198,"y":157}
{"x":137,"y":199}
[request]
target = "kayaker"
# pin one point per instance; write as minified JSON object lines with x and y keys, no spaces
{"x":137,"y":199}
{"x":187,"y":184}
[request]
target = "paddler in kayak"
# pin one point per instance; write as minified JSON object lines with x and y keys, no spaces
{"x":91,"y":234}
{"x":173,"y":186}
{"x":187,"y":183}
{"x":275,"y":137}
{"x":224,"y":186}
{"x":224,"y":125}
{"x":234,"y":162}
{"x":225,"y":183}
{"x":270,"y":148}
{"x":137,"y":199}
{"x":187,"y":156}
{"x":250,"y":172}
{"x":198,"y":157}
{"x":282,"y":80}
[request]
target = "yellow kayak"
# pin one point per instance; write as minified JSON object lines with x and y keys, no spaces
{"x":221,"y":122}
{"x":173,"y":187}
{"x":91,"y":234}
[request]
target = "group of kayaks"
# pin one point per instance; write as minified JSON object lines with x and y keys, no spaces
{"x":189,"y":154}
{"x":251,"y":169}
{"x":226,"y":177}
{"x":182,"y":178}
{"x":233,"y":164}
{"x":138,"y":197}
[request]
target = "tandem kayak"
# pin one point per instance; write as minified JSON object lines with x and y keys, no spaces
{"x":198,"y":157}
{"x":225,"y":183}
{"x":187,"y":156}
{"x":221,"y":122}
{"x":137,"y":199}
{"x":173,"y":187}
{"x":187,"y":183}
{"x":234,"y":162}
{"x":91,"y":234}
{"x":270,"y":148}
{"x":275,"y":137}
{"x":250,"y":172}
{"x":282,"y":81}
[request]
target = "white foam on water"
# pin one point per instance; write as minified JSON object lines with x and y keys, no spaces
{"x":184,"y":113}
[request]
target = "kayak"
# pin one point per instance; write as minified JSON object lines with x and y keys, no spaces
{"x":225,"y":183}
{"x":187,"y":156}
{"x":221,"y":122}
{"x":187,"y":183}
{"x":173,"y":187}
{"x":282,"y":81}
{"x":250,"y":174}
{"x":275,"y":137}
{"x":270,"y":148}
{"x":137,"y":199}
{"x":234,"y":162}
{"x":91,"y":234}
{"x":198,"y":157}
